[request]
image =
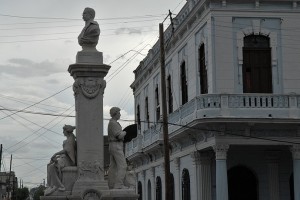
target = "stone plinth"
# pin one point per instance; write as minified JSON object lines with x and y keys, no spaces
{"x":88,"y":87}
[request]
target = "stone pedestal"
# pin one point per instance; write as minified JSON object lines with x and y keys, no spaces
{"x":86,"y":180}
{"x":89,"y":85}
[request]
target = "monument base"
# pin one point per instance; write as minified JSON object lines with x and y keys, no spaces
{"x":114,"y":194}
{"x":89,"y":57}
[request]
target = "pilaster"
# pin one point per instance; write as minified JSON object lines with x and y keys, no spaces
{"x":273,"y":176}
{"x":176,"y":162}
{"x":221,"y":171}
{"x":295,"y":149}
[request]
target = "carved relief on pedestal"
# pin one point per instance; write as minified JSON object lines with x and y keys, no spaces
{"x":91,"y":194}
{"x":90,"y":170}
{"x":89,"y":87}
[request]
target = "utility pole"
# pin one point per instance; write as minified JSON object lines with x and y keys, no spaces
{"x":8,"y":182}
{"x":164,"y":113}
{"x":0,"y":156}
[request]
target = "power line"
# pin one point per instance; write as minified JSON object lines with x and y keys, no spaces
{"x":36,"y":102}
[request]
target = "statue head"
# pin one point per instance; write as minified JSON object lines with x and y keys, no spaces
{"x":68,"y":128}
{"x":114,"y":111}
{"x":88,"y":14}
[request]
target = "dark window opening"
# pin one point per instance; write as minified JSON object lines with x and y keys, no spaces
{"x":242,"y":184}
{"x":184,"y":86}
{"x":202,"y":71}
{"x":257,"y":69}
{"x":157,"y":103}
{"x":138,"y":116}
{"x":140,"y":191}
{"x":147,"y":112}
{"x":170,"y":95}
{"x":158,"y":189}
{"x":186,"y":192}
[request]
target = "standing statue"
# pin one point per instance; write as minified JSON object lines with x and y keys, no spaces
{"x":65,"y":157}
{"x":118,"y":165}
{"x":89,"y":36}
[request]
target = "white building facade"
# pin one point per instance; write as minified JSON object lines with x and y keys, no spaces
{"x":233,"y":98}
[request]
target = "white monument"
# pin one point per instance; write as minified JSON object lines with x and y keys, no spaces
{"x":86,"y":180}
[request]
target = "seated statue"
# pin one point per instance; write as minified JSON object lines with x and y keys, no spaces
{"x":65,"y":157}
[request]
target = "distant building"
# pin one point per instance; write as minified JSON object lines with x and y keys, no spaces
{"x":233,"y":85}
{"x":8,"y":184}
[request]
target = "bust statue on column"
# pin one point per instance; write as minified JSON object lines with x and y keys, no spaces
{"x":89,"y":36}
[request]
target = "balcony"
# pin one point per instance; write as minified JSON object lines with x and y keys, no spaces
{"x":222,"y":107}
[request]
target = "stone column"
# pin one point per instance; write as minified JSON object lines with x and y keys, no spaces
{"x":195,"y":175}
{"x":205,"y":175}
{"x":296,"y":162}
{"x":221,"y":171}
{"x":273,"y":176}
{"x":177,"y":179}
{"x":89,"y":85}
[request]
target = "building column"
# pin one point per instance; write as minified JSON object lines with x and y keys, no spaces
{"x":221,"y":171}
{"x":153,"y":182}
{"x":195,"y":175}
{"x":205,"y":176}
{"x":144,"y":188}
{"x":295,"y":149}
{"x":273,"y":176}
{"x":177,"y":179}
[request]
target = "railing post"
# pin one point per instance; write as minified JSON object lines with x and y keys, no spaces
{"x":224,"y":105}
{"x":293,"y":111}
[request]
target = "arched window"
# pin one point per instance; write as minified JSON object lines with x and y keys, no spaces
{"x":172,"y":187}
{"x":202,"y":71}
{"x":184,"y":87}
{"x":257,"y":69}
{"x":242,"y":184}
{"x":140,"y":190}
{"x":158,"y":189}
{"x":170,"y":94}
{"x":186,"y":192}
{"x":149,"y":190}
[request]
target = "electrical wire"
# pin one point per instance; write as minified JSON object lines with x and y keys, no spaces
{"x":37,"y":102}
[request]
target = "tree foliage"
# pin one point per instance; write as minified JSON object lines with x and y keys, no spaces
{"x":22,"y":193}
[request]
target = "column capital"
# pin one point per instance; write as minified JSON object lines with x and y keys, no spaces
{"x":195,"y":156}
{"x":295,"y":149}
{"x":176,"y":163}
{"x":221,"y":151}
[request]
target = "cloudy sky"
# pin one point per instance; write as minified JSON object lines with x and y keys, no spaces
{"x":38,"y":41}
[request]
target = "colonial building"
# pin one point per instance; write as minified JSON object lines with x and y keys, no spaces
{"x":233,"y":85}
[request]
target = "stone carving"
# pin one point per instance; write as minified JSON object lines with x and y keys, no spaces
{"x":91,"y":195}
{"x":90,"y":87}
{"x":93,"y":169}
{"x":118,"y":165}
{"x":221,"y":151}
{"x":89,"y":36}
{"x":65,"y":157}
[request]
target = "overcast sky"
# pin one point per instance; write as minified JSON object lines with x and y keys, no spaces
{"x":38,"y":41}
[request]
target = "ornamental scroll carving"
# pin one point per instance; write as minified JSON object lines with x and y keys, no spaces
{"x":90,"y":87}
{"x":90,"y":169}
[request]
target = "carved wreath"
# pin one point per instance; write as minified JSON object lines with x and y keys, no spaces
{"x":90,"y":87}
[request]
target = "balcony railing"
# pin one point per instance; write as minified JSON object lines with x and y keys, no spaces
{"x":210,"y":106}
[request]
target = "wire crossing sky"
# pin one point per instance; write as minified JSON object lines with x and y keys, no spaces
{"x":38,"y":41}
